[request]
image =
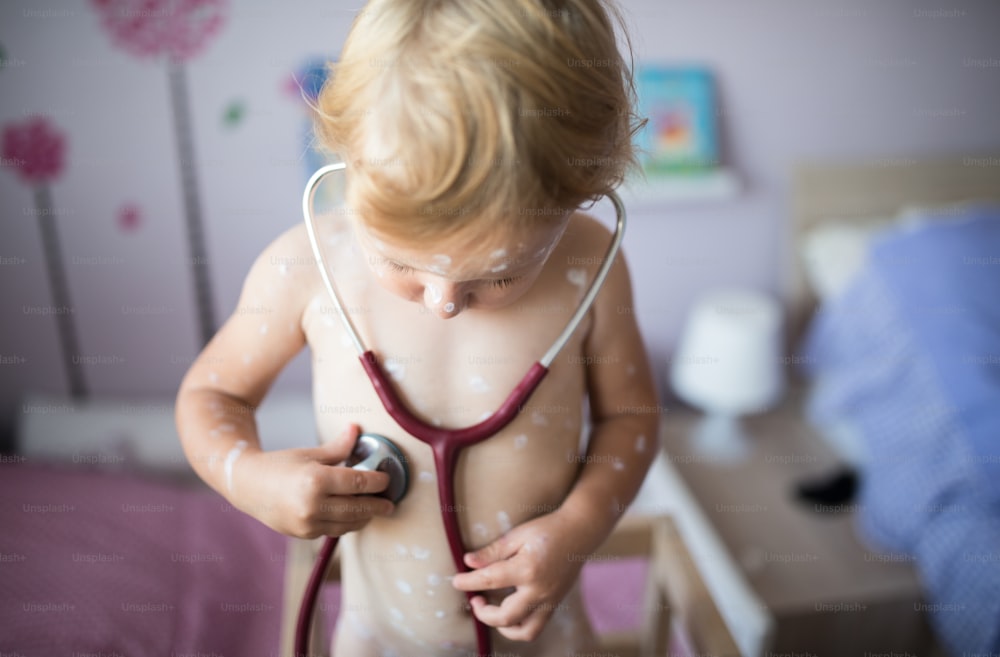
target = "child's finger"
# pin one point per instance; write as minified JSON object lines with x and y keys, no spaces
{"x":510,"y":613}
{"x":495,"y":576}
{"x":498,"y":550}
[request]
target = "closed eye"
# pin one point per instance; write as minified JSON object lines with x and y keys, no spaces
{"x":502,"y":283}
{"x":396,"y":267}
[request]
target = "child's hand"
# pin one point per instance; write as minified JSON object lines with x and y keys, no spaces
{"x":300,"y":493}
{"x":538,"y":559}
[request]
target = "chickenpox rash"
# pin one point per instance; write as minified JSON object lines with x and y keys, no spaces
{"x":434,"y":294}
{"x":231,"y":457}
{"x":478,"y":384}
{"x":577,"y":276}
{"x":396,"y":369}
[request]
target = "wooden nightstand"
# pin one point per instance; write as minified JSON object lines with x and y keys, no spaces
{"x":787,"y":577}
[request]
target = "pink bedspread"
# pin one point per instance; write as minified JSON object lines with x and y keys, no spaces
{"x":113,"y":564}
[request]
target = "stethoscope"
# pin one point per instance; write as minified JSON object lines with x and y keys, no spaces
{"x":374,"y":452}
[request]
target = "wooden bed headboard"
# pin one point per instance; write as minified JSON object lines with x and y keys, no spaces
{"x":863,"y":192}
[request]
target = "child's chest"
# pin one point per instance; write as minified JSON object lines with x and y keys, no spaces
{"x":454,"y":373}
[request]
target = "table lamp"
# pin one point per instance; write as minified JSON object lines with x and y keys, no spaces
{"x":728,"y":364}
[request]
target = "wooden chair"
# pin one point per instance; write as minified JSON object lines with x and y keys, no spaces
{"x":673,"y":587}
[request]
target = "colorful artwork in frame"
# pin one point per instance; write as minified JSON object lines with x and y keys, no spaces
{"x":681,"y":135}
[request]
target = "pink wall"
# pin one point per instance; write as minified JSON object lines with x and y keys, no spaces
{"x":797,"y":80}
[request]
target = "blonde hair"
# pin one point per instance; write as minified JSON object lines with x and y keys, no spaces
{"x":454,"y":114}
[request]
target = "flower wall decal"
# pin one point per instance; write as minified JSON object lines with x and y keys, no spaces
{"x":175,"y":30}
{"x":36,"y":150}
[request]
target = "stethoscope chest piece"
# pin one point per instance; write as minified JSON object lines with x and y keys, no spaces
{"x":378,"y":453}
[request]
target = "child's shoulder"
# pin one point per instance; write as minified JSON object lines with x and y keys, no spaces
{"x":285,"y":272}
{"x":586,"y":238}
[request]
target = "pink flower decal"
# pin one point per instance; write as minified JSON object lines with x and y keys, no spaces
{"x":177,"y":28}
{"x":35,"y":148}
{"x":129,"y":217}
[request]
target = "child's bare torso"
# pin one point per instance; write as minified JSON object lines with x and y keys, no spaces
{"x":397,"y":594}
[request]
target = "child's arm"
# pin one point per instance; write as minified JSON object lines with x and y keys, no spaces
{"x":542,"y":558}
{"x":293,"y":491}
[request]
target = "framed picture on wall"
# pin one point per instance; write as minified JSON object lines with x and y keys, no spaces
{"x":681,"y":135}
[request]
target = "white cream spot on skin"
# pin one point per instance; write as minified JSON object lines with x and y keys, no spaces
{"x":630,"y":370}
{"x":226,"y":428}
{"x":499,"y":253}
{"x":420,"y":553}
{"x":404,"y":586}
{"x":213,"y":378}
{"x":214,"y":433}
{"x":479,"y":529}
{"x":441,"y":260}
{"x":345,"y":340}
{"x":618,"y":465}
{"x":433,"y":293}
{"x":231,"y":457}
{"x":395,"y":369}
{"x":247,"y":359}
{"x":401,"y":549}
{"x":478,"y":384}
{"x":520,"y":441}
{"x":434,"y":579}
{"x":396,"y":614}
{"x":358,"y":626}
{"x":640,"y":443}
{"x":378,"y":244}
{"x":501,"y":267}
{"x":426,"y":476}
{"x":577,"y":276}
{"x":504,"y":521}
{"x":439,"y":613}
{"x":484,"y":416}
{"x":283,"y":269}
{"x":429,"y":592}
{"x":449,"y":307}
{"x":539,"y":419}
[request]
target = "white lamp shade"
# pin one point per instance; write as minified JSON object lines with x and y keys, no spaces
{"x":728,"y":358}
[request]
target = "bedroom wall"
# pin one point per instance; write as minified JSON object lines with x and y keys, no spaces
{"x":798,"y":80}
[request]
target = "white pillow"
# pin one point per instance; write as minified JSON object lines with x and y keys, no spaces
{"x":834,"y":252}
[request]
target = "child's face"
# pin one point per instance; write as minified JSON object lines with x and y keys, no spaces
{"x":450,"y":280}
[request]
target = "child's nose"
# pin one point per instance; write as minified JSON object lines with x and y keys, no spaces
{"x":444,"y":297}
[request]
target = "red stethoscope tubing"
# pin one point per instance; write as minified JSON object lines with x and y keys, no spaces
{"x":446,"y":445}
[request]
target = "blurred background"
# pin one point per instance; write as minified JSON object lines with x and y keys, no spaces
{"x":151,"y":151}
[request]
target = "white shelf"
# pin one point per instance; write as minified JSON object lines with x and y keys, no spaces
{"x":717,"y":185}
